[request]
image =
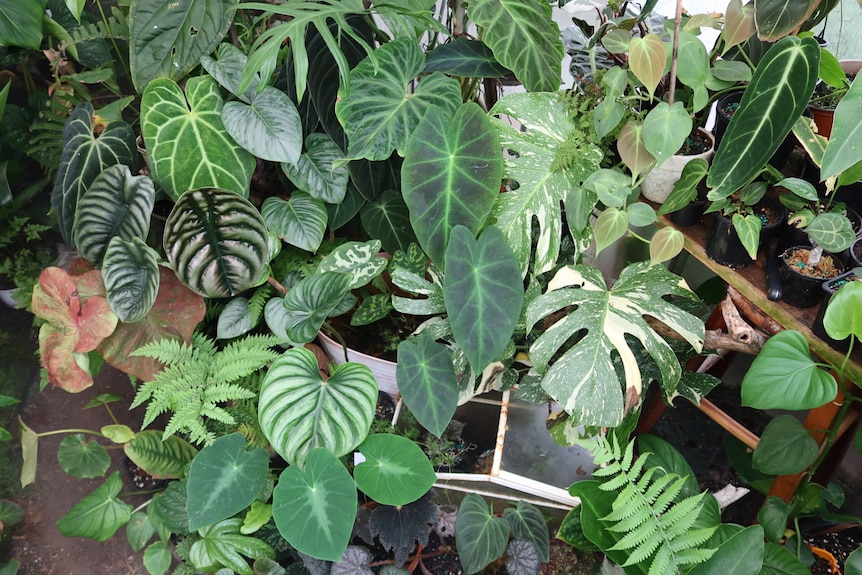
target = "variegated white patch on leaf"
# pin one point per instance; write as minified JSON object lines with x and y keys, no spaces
{"x":361,"y":260}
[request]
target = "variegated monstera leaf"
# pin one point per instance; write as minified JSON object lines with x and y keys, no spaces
{"x":584,"y":380}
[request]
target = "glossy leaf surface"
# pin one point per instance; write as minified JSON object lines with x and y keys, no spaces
{"x":395,"y":472}
{"x":785,"y":447}
{"x":99,"y":515}
{"x":844,"y":315}
{"x":131,"y":274}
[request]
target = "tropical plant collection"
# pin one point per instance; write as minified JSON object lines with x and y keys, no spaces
{"x":238,"y":177}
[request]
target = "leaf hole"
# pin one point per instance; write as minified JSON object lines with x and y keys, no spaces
{"x":193,"y":31}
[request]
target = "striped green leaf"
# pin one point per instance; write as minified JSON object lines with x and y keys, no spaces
{"x":117,"y":204}
{"x":311,"y":301}
{"x":216,"y":242}
{"x":164,"y":458}
{"x":269,"y":127}
{"x":131,"y":274}
{"x":316,"y":171}
{"x":300,"y":221}
{"x":85,"y":157}
{"x":480,"y":535}
{"x":187,"y":143}
{"x":299,"y":410}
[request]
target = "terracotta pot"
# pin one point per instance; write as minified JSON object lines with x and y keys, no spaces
{"x":658,"y":184}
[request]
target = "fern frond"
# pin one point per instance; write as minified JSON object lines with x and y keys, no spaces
{"x":257,"y":302}
{"x":115,"y":27}
{"x":167,"y":351}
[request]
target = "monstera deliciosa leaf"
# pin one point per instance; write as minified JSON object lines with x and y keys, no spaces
{"x":131,"y":274}
{"x":299,"y":410}
{"x":169,"y":38}
{"x":85,"y":157}
{"x":584,"y":380}
{"x":376,"y":108}
{"x":216,"y":242}
{"x":524,"y":38}
{"x":187,"y":143}
{"x":451,"y":175}
{"x":543,"y":179}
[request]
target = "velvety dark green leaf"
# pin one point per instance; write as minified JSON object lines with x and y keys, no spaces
{"x":300,"y":221}
{"x":169,"y":38}
{"x":224,"y":479}
{"x":310,"y":302}
{"x":222,"y":545}
{"x":99,"y":514}
{"x":481,"y":537}
{"x":401,"y":528}
{"x":783,"y":376}
{"x":166,"y":458}
{"x":388,"y":219}
{"x":427,"y":382}
{"x":742,"y":554}
{"x":748,"y":229}
{"x":528,"y":523}
{"x":348,"y":209}
{"x":466,"y":58}
{"x":314,"y":507}
{"x":778,"y":18}
{"x":844,"y":314}
{"x":269,"y":127}
{"x":685,"y":188}
{"x":82,"y":458}
{"x":131,"y":273}
{"x":316,"y":171}
{"x":395,"y":472}
{"x":785,"y":447}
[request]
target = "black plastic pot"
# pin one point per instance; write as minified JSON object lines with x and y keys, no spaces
{"x":723,"y":244}
{"x":722,"y":118}
{"x":856,"y":253}
{"x":689,"y":215}
{"x":829,"y":287}
{"x":799,"y":289}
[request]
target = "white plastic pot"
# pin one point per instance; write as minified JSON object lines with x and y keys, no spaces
{"x":7,"y":296}
{"x":658,"y":183}
{"x":382,"y":369}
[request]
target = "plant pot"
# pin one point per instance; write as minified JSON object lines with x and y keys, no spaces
{"x":822,"y":118}
{"x":856,"y":253}
{"x":723,"y":244}
{"x":723,"y":112}
{"x":658,"y":183}
{"x":7,"y":296}
{"x":382,"y":369}
{"x":829,"y":288}
{"x":799,"y":287}
{"x":689,"y":215}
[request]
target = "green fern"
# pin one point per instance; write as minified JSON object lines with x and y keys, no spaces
{"x":656,"y":524}
{"x":257,"y":302}
{"x":200,"y":380}
{"x":114,"y":27}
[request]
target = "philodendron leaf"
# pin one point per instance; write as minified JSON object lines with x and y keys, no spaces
{"x":85,"y":157}
{"x":841,"y":154}
{"x":300,"y":411}
{"x":309,"y":303}
{"x":222,"y":545}
{"x":300,"y":221}
{"x":774,"y":100}
{"x":99,"y":514}
{"x":163,"y":458}
{"x":633,"y":152}
{"x":235,"y":319}
{"x":527,"y":522}
{"x":742,"y":554}
{"x":693,"y":69}
{"x":224,"y":479}
{"x":481,"y":537}
{"x":395,"y":472}
{"x":187,"y":143}
{"x":388,"y":219}
{"x":647,"y":60}
{"x":157,"y":558}
{"x":169,"y":38}
{"x":361,"y":260}
{"x":82,"y":458}
{"x":506,"y":23}
{"x":833,"y":232}
{"x":543,"y":179}
{"x":315,"y":506}
{"x":451,"y":175}
{"x":483,"y":293}
{"x":843,"y":314}
{"x":667,"y":243}
{"x":115,"y":204}
{"x":785,"y":447}
{"x":216,"y":242}
{"x":427,"y":382}
{"x":666,"y":127}
{"x":131,"y":273}
{"x":465,"y":57}
{"x":783,"y":376}
{"x":748,"y":229}
{"x":376,"y":109}
{"x":738,"y":24}
{"x":584,"y":379}
{"x":317,"y":171}
{"x":227,"y":69}
{"x":685,"y":189}
{"x":269,"y":127}
{"x":610,"y":226}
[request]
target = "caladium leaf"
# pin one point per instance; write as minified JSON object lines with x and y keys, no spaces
{"x":401,"y":528}
{"x":299,"y":411}
{"x":543,"y":179}
{"x":131,"y":273}
{"x":99,"y":515}
{"x":395,"y":472}
{"x":466,"y":58}
{"x":506,"y":23}
{"x":317,"y":171}
{"x":376,"y":109}
{"x":222,"y":545}
{"x":216,"y":241}
{"x":85,"y":157}
{"x":163,"y":458}
{"x":300,"y":221}
{"x":584,"y":380}
{"x":427,"y":382}
{"x":115,"y":204}
{"x":481,"y":537}
{"x":169,"y":38}
{"x":451,"y":175}
{"x":187,"y":143}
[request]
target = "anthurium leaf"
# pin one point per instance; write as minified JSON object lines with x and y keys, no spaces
{"x":665,"y":129}
{"x":543,"y":184}
{"x":169,"y":39}
{"x":224,"y":479}
{"x":82,"y":458}
{"x":428,"y":383}
{"x":115,"y":204}
{"x":831,"y":231}
{"x":316,"y":171}
{"x":222,"y":545}
{"x":785,"y":447}
{"x":778,"y":18}
{"x":843,"y":315}
{"x":584,"y":380}
{"x":667,"y":243}
{"x":739,"y":24}
{"x":157,"y":558}
{"x":647,"y":60}
{"x":99,"y":514}
{"x":395,"y":472}
{"x":631,"y":147}
{"x":216,"y":242}
{"x":522,"y":558}
{"x":315,"y":506}
{"x":375,"y":108}
{"x":481,"y":537}
{"x":776,"y":97}
{"x":361,"y":260}
{"x":299,"y":411}
{"x":451,"y":174}
{"x":400,"y":528}
{"x":21,"y":23}
{"x":348,"y":209}
{"x":527,"y":522}
{"x":300,"y":221}
{"x":354,"y":561}
{"x":269,"y":127}
{"x":506,"y":23}
{"x":310,"y":302}
{"x":840,"y":154}
{"x":131,"y":272}
{"x":802,"y":188}
{"x":741,"y":554}
{"x":85,"y":157}
{"x":165,"y":459}
{"x":610,"y":226}
{"x":388,"y":219}
{"x":235,"y":319}
{"x":466,"y":58}
{"x":187,"y":145}
{"x":748,"y":229}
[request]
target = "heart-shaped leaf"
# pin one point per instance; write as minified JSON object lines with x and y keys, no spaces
{"x":224,"y":479}
{"x":748,"y":229}
{"x":843,"y":315}
{"x":739,"y":24}
{"x":131,"y":272}
{"x":388,"y":219}
{"x":527,"y":522}
{"x":317,"y":171}
{"x":667,"y":243}
{"x":400,"y":529}
{"x":522,"y":557}
{"x":157,"y":558}
{"x":354,"y":561}
{"x":235,"y":319}
{"x":82,"y":458}
{"x":21,"y":24}
{"x":311,"y":301}
{"x":465,"y":57}
{"x":395,"y":470}
{"x":785,"y":447}
{"x":269,"y":127}
{"x":611,"y":225}
{"x":631,"y":147}
{"x":226,"y":68}
{"x":665,"y":129}
{"x":315,"y":507}
{"x":427,"y":382}
{"x":833,"y":232}
{"x":299,"y":411}
{"x":187,"y":145}
{"x":115,"y":204}
{"x":778,"y":18}
{"x":481,"y":537}
{"x":647,"y":60}
{"x":693,"y":69}
{"x":163,"y":458}
{"x":300,"y":221}
{"x":99,"y":515}
{"x":216,"y":242}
